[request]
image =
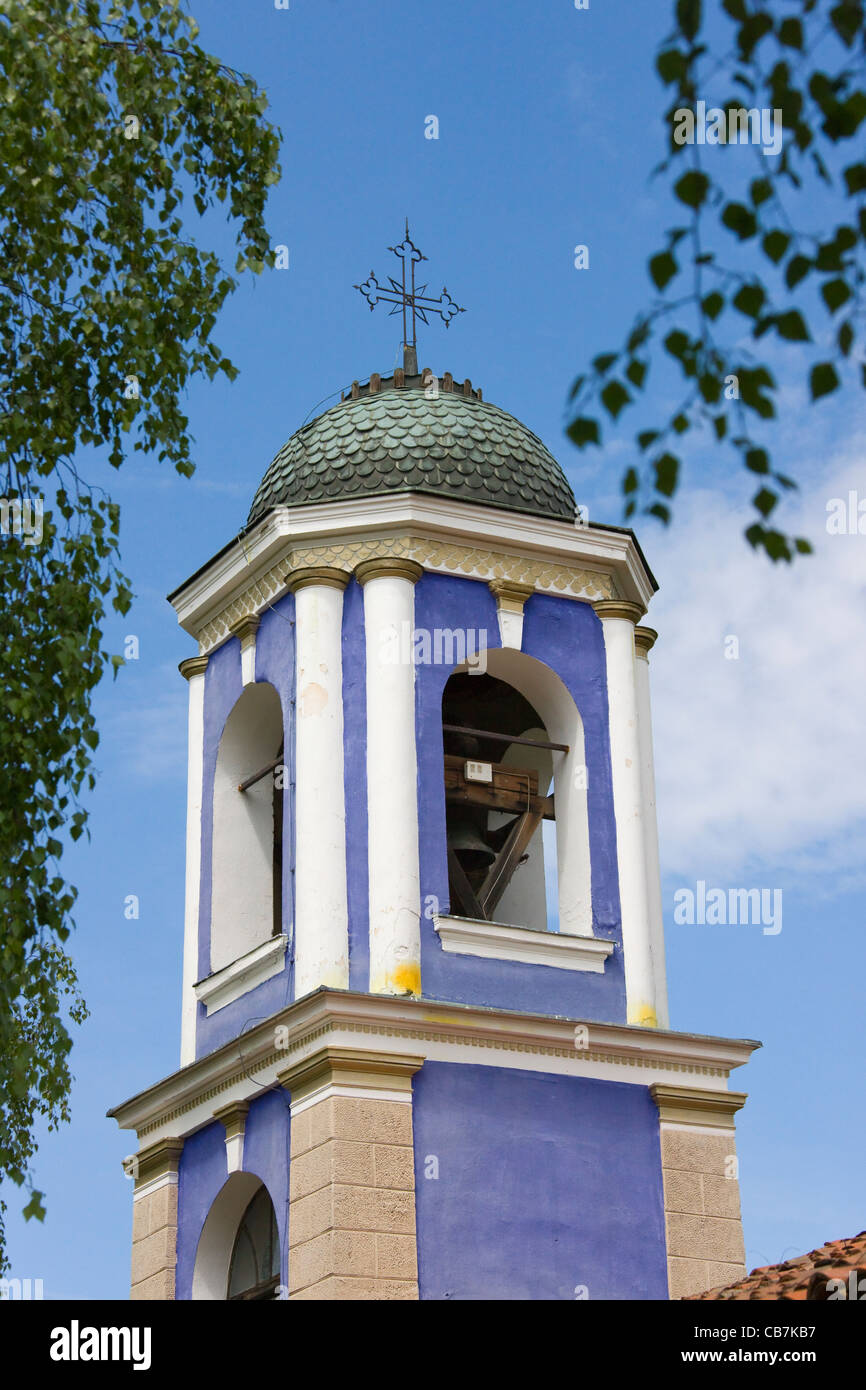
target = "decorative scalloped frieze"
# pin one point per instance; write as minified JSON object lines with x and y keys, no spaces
{"x":439,"y":557}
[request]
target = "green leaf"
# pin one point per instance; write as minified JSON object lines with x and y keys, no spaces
{"x":823,"y":380}
{"x":765,"y":501}
{"x":846,"y":19}
{"x":797,"y":269}
{"x":34,"y":1208}
{"x":739,"y":219}
{"x":845,"y":337}
{"x":760,"y":190}
{"x":662,"y":268}
{"x":583,"y":431}
{"x":713,"y":304}
{"x":614,"y":397}
{"x":689,"y":17}
{"x":667,"y":468}
{"x":775,"y":245}
{"x":855,"y":179}
{"x":757,"y":460}
{"x":692,"y":188}
{"x":750,"y":300}
{"x":791,"y":327}
{"x":791,"y":33}
{"x":636,"y":372}
{"x":835,"y":293}
{"x":646,"y":438}
{"x":604,"y":361}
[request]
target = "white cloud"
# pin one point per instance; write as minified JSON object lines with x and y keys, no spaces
{"x":761,"y":759}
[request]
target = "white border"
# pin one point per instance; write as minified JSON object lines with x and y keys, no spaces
{"x":253,"y":968}
{"x":467,"y":936}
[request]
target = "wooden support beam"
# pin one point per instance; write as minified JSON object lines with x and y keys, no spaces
{"x":462,"y":887}
{"x":501,"y":870}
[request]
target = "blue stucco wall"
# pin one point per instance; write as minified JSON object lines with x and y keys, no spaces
{"x":355,"y":780}
{"x":202,"y":1172}
{"x":567,"y":637}
{"x":545,"y":1184}
{"x":275,"y":663}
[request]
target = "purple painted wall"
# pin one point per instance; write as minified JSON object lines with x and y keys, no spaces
{"x":567,"y":637}
{"x":202,"y":1172}
{"x":275,"y":663}
{"x":545,"y":1184}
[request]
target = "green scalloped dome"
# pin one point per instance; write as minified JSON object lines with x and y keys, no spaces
{"x":397,"y":439}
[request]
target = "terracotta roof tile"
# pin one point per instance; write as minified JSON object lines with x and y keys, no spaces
{"x":805,"y":1277}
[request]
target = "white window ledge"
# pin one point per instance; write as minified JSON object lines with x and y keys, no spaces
{"x":467,"y":936}
{"x":249,"y":970}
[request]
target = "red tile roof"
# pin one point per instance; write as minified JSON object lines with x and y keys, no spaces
{"x":806,"y":1277}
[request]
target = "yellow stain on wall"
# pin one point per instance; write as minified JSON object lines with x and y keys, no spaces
{"x":403,"y":979}
{"x":644,"y":1015}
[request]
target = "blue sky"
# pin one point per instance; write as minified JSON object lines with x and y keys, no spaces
{"x":549,"y":122}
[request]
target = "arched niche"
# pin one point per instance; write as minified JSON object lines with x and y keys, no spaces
{"x":216,"y":1244}
{"x":247,"y":829}
{"x":558,"y":721}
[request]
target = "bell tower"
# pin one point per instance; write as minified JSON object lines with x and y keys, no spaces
{"x":425,"y":1045}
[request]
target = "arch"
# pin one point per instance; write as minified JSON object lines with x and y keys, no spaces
{"x":210,"y":1278}
{"x":548,"y":696}
{"x":246,"y":906}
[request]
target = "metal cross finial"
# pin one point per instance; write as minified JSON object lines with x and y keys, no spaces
{"x":409,"y":296}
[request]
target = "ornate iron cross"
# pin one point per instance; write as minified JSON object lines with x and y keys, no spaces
{"x":409,"y":297}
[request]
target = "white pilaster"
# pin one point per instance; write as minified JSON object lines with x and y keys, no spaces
{"x":193,"y":670}
{"x":245,"y":630}
{"x":618,"y":620}
{"x":321,"y":911}
{"x":392,"y":778}
{"x":644,"y":638}
{"x":510,"y":598}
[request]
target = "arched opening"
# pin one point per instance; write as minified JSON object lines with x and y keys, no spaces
{"x":254,"y":1269}
{"x":515,"y":793}
{"x":238,"y":1254}
{"x":247,"y":828}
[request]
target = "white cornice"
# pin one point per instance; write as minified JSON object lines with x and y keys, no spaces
{"x":465,"y":936}
{"x":186,"y":1100}
{"x":253,"y":968}
{"x":606,"y":551}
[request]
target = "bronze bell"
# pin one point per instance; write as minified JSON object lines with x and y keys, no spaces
{"x":473,"y":852}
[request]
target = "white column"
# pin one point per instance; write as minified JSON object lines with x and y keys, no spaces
{"x":321,"y":910}
{"x":644,"y":638}
{"x":392,"y":776}
{"x":618,"y":620}
{"x":193,"y":669}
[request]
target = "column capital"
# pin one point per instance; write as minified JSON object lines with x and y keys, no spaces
{"x":328,"y":575}
{"x":350,"y":1068}
{"x":245,"y":629}
{"x":193,"y":666}
{"x":233,"y":1116}
{"x":389,"y":566}
{"x":511,"y":594}
{"x":157,"y":1161}
{"x":693,"y":1105}
{"x":619,"y":608}
{"x":644,"y":639}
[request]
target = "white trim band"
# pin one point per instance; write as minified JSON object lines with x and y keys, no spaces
{"x":228,"y":984}
{"x":466,"y":936}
